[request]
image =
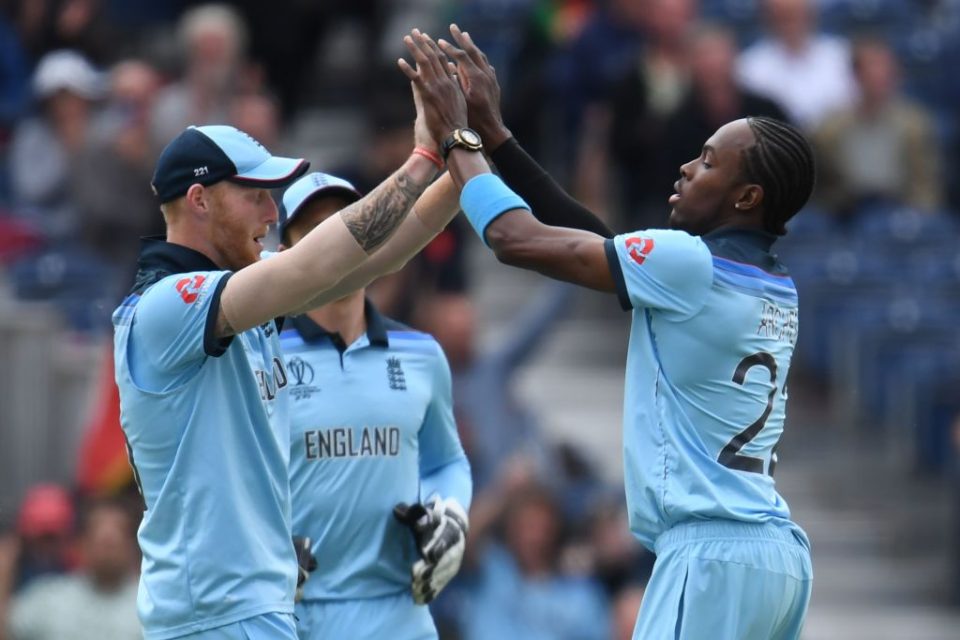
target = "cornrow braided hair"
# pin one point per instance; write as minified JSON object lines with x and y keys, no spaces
{"x":781,"y":162}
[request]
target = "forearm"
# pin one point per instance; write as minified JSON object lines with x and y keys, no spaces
{"x":325,"y":256}
{"x":432,"y":212}
{"x":451,"y":480}
{"x":503,"y":221}
{"x":548,"y":201}
{"x":569,"y":255}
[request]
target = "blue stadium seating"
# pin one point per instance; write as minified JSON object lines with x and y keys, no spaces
{"x":82,"y":286}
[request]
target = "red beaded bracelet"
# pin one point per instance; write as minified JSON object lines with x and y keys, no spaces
{"x":429,"y":155}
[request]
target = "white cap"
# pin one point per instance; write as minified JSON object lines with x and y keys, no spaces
{"x":70,"y":71}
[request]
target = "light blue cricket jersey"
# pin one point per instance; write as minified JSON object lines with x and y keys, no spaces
{"x":714,"y":327}
{"x":206,"y":423}
{"x":371,"y":425}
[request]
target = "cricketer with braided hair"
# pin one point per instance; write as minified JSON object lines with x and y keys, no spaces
{"x":714,"y":329}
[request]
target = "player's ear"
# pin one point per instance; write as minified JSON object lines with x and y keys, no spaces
{"x":749,"y":198}
{"x":198,"y":198}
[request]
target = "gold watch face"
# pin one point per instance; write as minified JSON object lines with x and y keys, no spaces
{"x":470,"y":137}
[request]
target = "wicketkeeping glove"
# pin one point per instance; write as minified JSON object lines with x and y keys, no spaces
{"x":305,"y":562}
{"x":440,"y":531}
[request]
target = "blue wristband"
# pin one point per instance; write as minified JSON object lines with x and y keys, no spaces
{"x":484,"y":198}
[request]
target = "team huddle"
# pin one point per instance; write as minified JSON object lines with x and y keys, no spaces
{"x":297,"y":450}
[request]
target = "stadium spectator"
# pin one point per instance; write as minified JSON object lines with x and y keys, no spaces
{"x":585,"y":71}
{"x":955,"y":479}
{"x":214,"y":38}
{"x":626,"y":606}
{"x":95,"y":603}
{"x":111,"y":178}
{"x":806,"y":72}
{"x":291,"y":61}
{"x":41,"y":544}
{"x":881,"y":149}
{"x":615,"y":558}
{"x":14,"y":81}
{"x":714,"y":98}
{"x":259,"y":115}
{"x":645,"y":98}
{"x":49,"y":25}
{"x":517,"y":588}
{"x":66,"y":87}
{"x":493,"y":423}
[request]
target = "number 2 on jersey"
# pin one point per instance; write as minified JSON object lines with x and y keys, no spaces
{"x":730,"y":455}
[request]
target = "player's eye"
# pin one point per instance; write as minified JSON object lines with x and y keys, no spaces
{"x":706,"y":165}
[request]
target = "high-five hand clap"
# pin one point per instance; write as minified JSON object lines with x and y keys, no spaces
{"x":445,"y":108}
{"x":478,"y":80}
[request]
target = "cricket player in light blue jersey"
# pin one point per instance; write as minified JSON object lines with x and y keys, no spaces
{"x":372,"y":428}
{"x":203,"y":387}
{"x":714,"y":327}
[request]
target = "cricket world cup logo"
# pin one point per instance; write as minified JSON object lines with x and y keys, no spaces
{"x":301,"y":371}
{"x":302,"y":375}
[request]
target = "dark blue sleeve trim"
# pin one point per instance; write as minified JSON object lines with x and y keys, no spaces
{"x":213,"y":346}
{"x":613,"y":260}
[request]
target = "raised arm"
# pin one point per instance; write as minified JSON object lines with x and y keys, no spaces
{"x":294,"y":279}
{"x":551,"y":204}
{"x":438,"y":205}
{"x":327,"y":254}
{"x":502,"y":219}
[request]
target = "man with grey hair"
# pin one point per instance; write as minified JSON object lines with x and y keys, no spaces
{"x":214,"y":39}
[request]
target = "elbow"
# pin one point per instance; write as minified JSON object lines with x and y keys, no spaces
{"x":506,"y":243}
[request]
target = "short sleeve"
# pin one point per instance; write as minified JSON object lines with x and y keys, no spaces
{"x":175,"y":320}
{"x":439,"y":441}
{"x":660,"y":269}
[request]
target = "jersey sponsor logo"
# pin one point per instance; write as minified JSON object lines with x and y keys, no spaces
{"x":395,"y":377}
{"x":344,"y":442}
{"x":778,"y":323}
{"x":270,"y":383}
{"x":639,"y":248}
{"x":302,"y":375}
{"x":189,"y":288}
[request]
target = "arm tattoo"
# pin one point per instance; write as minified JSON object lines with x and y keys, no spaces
{"x":373,"y":219}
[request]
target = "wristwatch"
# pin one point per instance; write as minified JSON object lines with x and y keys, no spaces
{"x":464,"y":138}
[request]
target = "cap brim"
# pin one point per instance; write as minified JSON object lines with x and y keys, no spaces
{"x":273,"y":172}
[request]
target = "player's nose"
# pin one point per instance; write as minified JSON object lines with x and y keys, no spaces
{"x":271,"y":212}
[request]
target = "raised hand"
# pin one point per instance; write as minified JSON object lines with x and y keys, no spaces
{"x":478,"y":80}
{"x":421,"y":132}
{"x":441,"y":99}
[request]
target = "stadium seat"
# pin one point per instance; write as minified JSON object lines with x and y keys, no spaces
{"x":900,"y":223}
{"x":81,"y":285}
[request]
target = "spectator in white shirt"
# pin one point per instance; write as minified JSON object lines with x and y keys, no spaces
{"x":806,"y":72}
{"x":98,"y":602}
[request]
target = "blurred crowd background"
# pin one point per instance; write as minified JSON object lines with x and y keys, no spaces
{"x":611,"y":96}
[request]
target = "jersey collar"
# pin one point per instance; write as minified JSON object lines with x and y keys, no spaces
{"x":748,"y":246}
{"x":159,"y":259}
{"x":311,"y":332}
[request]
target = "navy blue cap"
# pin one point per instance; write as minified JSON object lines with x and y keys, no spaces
{"x":210,"y":154}
{"x":309,"y":187}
